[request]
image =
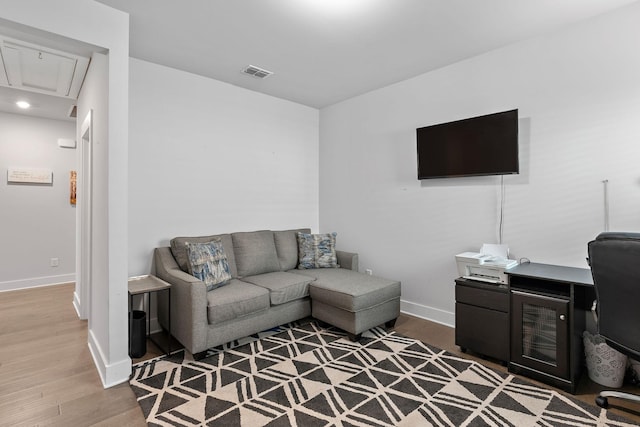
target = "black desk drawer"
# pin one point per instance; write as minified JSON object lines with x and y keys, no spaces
{"x":497,"y":299}
{"x":483,"y":331}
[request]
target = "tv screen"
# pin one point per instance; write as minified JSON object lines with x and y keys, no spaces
{"x":483,"y":145}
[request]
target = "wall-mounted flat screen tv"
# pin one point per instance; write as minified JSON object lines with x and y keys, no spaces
{"x":483,"y":145}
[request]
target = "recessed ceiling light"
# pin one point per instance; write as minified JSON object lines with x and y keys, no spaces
{"x":23,"y":104}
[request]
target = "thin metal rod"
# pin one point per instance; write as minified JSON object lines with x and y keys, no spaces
{"x":606,"y":204}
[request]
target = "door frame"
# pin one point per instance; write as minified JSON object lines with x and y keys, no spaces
{"x":85,"y":216}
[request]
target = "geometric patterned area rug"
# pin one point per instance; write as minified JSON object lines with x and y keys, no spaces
{"x":302,"y":374}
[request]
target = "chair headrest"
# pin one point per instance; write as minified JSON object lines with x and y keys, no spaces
{"x":618,"y":235}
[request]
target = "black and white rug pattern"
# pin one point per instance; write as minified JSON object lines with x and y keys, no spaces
{"x":306,"y":375}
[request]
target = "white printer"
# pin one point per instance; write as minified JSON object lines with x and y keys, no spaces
{"x":484,"y":267}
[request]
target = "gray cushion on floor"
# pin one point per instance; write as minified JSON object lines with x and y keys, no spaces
{"x":179,"y":250}
{"x":283,"y":287}
{"x":235,"y":299}
{"x":350,"y":290}
{"x":255,"y":253}
{"x":287,"y":247}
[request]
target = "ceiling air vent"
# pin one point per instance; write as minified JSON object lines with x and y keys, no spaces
{"x":258,"y":72}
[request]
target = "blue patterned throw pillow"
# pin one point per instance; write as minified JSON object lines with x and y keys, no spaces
{"x":208,"y":262}
{"x":317,"y":251}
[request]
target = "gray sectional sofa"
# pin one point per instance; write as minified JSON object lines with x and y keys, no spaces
{"x":268,"y":289}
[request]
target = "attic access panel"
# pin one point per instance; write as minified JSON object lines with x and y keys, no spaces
{"x":39,"y":69}
{"x":3,"y":74}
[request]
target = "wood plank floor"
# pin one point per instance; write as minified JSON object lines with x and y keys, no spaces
{"x":47,"y":375}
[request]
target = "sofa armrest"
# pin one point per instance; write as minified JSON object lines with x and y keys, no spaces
{"x":348,"y":260}
{"x":188,"y":301}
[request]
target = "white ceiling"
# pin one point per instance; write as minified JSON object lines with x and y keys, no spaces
{"x":321,"y":51}
{"x":47,"y":106}
{"x":325,"y":51}
{"x":42,"y":105}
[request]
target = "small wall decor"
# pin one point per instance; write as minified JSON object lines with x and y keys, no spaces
{"x":73,"y":175}
{"x":30,"y":176}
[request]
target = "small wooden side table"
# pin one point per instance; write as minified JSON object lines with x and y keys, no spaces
{"x":149,"y":284}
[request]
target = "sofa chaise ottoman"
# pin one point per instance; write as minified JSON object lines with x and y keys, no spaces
{"x":353,"y":302}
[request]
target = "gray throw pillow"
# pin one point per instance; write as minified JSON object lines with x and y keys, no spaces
{"x":179,"y":250}
{"x":208,"y":262}
{"x":317,"y":251}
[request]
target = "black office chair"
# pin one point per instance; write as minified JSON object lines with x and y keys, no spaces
{"x":615,"y":265}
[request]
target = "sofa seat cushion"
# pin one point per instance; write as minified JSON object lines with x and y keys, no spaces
{"x":255,"y":253}
{"x":283,"y":287}
{"x":234,"y":300}
{"x":350,"y":290}
{"x":309,"y":272}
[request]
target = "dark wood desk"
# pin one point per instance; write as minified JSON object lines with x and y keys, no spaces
{"x":534,"y":324}
{"x":554,"y":273}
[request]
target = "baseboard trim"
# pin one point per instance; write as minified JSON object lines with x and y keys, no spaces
{"x":432,"y":314}
{"x":110,"y":374}
{"x":77,"y":304}
{"x":36,"y":282}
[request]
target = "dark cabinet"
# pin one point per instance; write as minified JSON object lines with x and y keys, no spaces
{"x":482,"y":318}
{"x":539,"y":336}
{"x":548,"y":308}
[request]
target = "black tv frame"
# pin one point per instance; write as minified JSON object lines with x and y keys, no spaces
{"x":476,"y":146}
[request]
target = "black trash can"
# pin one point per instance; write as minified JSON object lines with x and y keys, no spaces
{"x":137,"y":334}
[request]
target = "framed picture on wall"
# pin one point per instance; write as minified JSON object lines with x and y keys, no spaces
{"x":29,"y":176}
{"x":73,"y":176}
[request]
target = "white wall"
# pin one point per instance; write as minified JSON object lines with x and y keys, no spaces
{"x":37,"y":221}
{"x":207,"y":157}
{"x":93,"y":100}
{"x":107,"y":29}
{"x":579,"y":96}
